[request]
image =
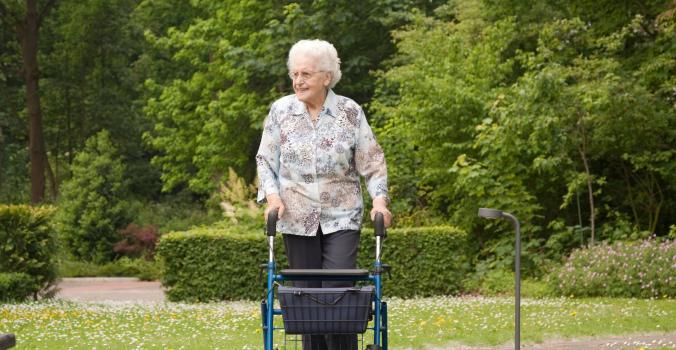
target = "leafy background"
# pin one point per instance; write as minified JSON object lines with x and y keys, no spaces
{"x":559,"y":112}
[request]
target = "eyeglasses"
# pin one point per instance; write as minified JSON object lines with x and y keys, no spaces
{"x":304,"y":76}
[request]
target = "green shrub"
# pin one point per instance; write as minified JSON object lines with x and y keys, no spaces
{"x":534,"y":288}
{"x":210,"y":264}
{"x":91,"y":208}
{"x":496,"y":282}
{"x":16,"y":286}
{"x":622,"y":269}
{"x":146,"y":270}
{"x":501,"y":282}
{"x":27,"y":245}
{"x":173,"y":212}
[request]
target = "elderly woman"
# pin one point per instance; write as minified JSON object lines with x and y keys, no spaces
{"x":314,"y":147}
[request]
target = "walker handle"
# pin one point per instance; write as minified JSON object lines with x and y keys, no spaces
{"x":272,"y":223}
{"x":379,"y":225}
{"x":7,"y":340}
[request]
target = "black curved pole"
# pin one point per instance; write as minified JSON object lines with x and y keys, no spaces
{"x":517,"y":280}
{"x":499,"y":214}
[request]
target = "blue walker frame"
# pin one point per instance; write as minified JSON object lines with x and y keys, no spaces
{"x":379,"y":307}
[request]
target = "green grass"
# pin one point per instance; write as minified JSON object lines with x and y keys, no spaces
{"x":489,"y":321}
{"x":413,"y":323}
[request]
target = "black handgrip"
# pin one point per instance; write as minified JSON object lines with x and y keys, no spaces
{"x":7,"y":340}
{"x":272,"y":223}
{"x":379,"y":224}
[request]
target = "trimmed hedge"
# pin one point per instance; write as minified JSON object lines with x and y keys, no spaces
{"x":210,"y":264}
{"x":27,"y":245}
{"x":425,"y":261}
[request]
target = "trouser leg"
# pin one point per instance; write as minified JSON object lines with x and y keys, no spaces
{"x":306,"y":253}
{"x":339,"y":251}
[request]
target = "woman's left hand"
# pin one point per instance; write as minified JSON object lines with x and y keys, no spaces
{"x":380,"y":206}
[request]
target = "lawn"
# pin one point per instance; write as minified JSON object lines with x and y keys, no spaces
{"x":413,"y":323}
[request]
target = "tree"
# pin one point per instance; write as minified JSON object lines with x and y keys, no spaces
{"x":232,"y":61}
{"x":92,"y":207}
{"x":486,"y":104}
{"x":429,"y":102}
{"x":588,"y":121}
{"x":91,"y":83}
{"x":27,"y":23}
{"x":14,"y":184}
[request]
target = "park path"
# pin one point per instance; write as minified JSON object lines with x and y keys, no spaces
{"x":133,"y":290}
{"x":615,"y":342}
{"x":99,"y":289}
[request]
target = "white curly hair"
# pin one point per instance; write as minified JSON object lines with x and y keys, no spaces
{"x":323,"y":52}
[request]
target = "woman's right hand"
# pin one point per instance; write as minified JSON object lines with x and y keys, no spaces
{"x":274,"y":203}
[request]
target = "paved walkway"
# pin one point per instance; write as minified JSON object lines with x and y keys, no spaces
{"x":133,"y":290}
{"x":110,"y":289}
{"x":615,"y":342}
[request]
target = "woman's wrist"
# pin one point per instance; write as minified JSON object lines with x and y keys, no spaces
{"x":272,"y":197}
{"x":381,"y":201}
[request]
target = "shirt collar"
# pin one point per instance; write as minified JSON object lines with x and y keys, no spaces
{"x":330,"y":105}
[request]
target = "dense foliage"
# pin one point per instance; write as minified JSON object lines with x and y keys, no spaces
{"x":564,"y":119}
{"x":208,"y":264}
{"x":559,"y":112}
{"x":92,"y":207}
{"x":27,"y":251}
{"x":233,"y":66}
{"x":640,"y":270}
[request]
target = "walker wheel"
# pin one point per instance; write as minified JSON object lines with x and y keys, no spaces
{"x":372,"y":347}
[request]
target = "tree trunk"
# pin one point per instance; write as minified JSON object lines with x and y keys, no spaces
{"x":52,"y":179}
{"x":655,"y":203}
{"x":590,"y":189}
{"x":2,"y":156}
{"x":630,"y":196}
{"x":28,"y":36}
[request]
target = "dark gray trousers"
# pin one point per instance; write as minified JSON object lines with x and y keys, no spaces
{"x":337,"y":250}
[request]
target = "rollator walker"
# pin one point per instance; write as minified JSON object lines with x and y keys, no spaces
{"x":345,"y":310}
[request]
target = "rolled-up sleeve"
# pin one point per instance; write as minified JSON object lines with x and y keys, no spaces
{"x":370,"y":160}
{"x":267,"y":158}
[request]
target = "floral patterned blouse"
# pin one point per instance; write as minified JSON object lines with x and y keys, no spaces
{"x":315,"y":167}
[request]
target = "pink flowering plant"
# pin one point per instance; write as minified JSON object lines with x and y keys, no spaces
{"x":645,"y":269}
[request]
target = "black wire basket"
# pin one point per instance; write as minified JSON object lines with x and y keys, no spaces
{"x":325,"y":310}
